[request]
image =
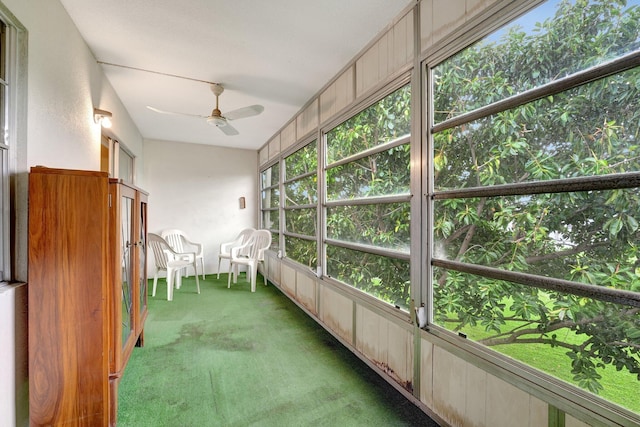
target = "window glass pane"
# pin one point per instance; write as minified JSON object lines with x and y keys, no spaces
{"x":385,"y":121}
{"x":271,"y":220}
{"x":302,"y":161}
{"x":275,"y":241}
{"x":125,"y":162}
{"x":585,"y":34}
{"x":301,"y":221}
{"x":3,"y":114}
{"x":383,"y":225}
{"x":302,"y":251}
{"x":385,"y":173}
{"x":271,"y":198}
{"x":580,"y":132}
{"x":303,"y":191}
{"x":382,"y":277}
{"x":591,"y":237}
{"x":271,"y":176}
{"x":5,"y":185}
{"x":4,"y":218}
{"x":560,"y":334}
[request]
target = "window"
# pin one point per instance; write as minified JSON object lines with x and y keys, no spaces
{"x":300,"y":209}
{"x":125,"y":164}
{"x":5,"y":200}
{"x":368,"y":194}
{"x":535,"y":194}
{"x":270,"y":187}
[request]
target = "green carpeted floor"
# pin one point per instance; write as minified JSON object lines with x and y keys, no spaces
{"x":228,"y":357}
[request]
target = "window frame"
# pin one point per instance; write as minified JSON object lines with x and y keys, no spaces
{"x":390,"y":88}
{"x":276,"y":245}
{"x":297,"y":207}
{"x":12,"y":146}
{"x":539,"y":383}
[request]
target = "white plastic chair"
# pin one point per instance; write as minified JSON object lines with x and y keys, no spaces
{"x":225,"y":248}
{"x":170,"y":261}
{"x":249,"y":254}
{"x":181,"y":244}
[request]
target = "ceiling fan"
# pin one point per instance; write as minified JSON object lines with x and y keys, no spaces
{"x":216,"y":118}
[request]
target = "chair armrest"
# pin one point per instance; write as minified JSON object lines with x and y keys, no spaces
{"x":238,"y":250}
{"x":173,"y":255}
{"x":197,"y":246}
{"x":226,"y":247}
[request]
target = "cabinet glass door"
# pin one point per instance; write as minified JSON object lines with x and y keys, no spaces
{"x":127,"y":251}
{"x":142,"y":248}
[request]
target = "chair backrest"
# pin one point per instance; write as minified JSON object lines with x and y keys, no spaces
{"x":260,"y":241}
{"x":244,"y":237}
{"x":174,"y":239}
{"x":245,"y":234}
{"x":158,"y":245}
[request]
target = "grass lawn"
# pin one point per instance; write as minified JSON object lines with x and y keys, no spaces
{"x":619,"y":387}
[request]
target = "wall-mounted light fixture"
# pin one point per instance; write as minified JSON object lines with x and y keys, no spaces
{"x":103,"y":117}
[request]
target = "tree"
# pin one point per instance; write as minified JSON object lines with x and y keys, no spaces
{"x":374,"y":224}
{"x":589,"y":237}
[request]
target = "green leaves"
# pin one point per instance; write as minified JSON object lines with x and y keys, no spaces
{"x":590,"y":237}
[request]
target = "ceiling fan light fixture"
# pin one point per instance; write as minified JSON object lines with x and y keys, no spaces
{"x":216,"y":121}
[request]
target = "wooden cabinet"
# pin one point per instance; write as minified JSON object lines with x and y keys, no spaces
{"x":87,"y":293}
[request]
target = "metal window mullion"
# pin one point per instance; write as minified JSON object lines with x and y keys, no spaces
{"x":587,"y":183}
{"x":601,"y":293}
{"x":376,"y":250}
{"x":294,"y":207}
{"x":281,"y":199}
{"x":300,"y":177}
{"x":371,"y":151}
{"x":321,"y":231}
{"x":396,"y":198}
{"x":589,"y":75}
{"x":299,"y":236}
{"x":427,"y":202}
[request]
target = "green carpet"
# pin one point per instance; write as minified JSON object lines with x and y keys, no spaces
{"x":228,"y":357}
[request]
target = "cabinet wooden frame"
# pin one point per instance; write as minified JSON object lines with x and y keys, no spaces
{"x":77,"y":352}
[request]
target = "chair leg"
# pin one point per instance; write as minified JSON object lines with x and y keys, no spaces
{"x":229,"y":275}
{"x":178,"y":273}
{"x":201,"y":265}
{"x":219,"y":261}
{"x":155,"y":283}
{"x":170,"y":274}
{"x":196,"y":274}
{"x":254,"y":273}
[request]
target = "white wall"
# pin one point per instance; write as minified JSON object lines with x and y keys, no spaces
{"x":13,"y":360}
{"x":197,"y":188}
{"x":63,"y":83}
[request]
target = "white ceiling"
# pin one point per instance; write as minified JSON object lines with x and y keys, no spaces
{"x":276,"y":53}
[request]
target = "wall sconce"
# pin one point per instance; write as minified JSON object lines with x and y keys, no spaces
{"x":103,"y":117}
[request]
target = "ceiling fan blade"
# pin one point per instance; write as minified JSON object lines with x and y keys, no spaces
{"x":241,"y":113}
{"x":228,"y":129}
{"x":157,"y":110}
